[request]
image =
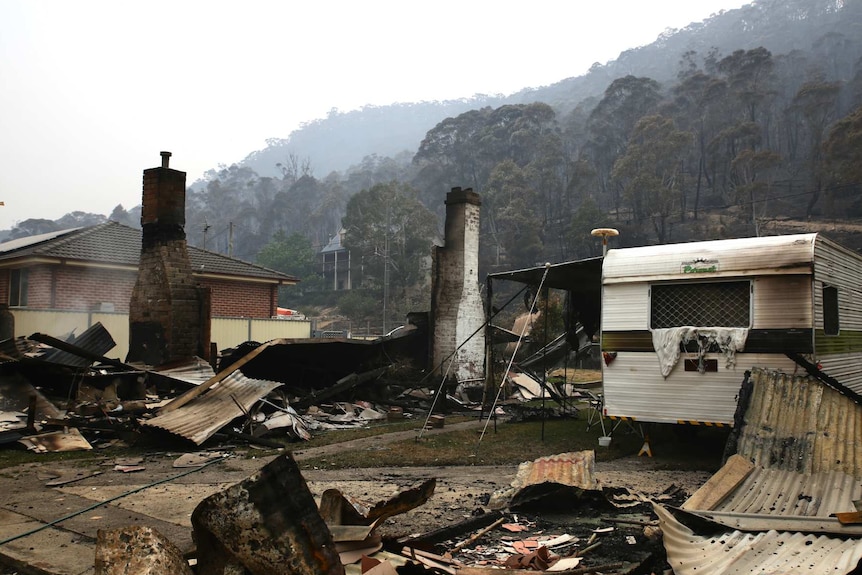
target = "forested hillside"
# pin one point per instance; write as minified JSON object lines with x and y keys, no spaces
{"x":726,"y":128}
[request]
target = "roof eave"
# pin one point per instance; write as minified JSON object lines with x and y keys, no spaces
{"x":232,"y":277}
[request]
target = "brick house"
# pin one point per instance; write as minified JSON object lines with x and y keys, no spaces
{"x":95,"y":268}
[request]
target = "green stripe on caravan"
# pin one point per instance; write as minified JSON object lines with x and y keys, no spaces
{"x":781,"y":341}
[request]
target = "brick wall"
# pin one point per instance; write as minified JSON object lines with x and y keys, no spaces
{"x":39,"y":287}
{"x":236,"y":299}
{"x":4,"y":286}
{"x":83,"y":289}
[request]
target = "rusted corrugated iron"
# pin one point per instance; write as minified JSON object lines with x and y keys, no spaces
{"x":689,"y":553}
{"x":549,"y":477}
{"x":203,"y":416}
{"x":576,"y":469}
{"x":795,"y":423}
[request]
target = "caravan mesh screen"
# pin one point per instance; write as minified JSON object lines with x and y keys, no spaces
{"x":714,"y":304}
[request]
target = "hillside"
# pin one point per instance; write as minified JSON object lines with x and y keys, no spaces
{"x":781,"y":26}
{"x":747,"y":123}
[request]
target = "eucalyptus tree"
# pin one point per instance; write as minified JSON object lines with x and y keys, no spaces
{"x":650,"y":172}
{"x":611,"y":122}
{"x":816,"y":102}
{"x":292,"y":254}
{"x":697,"y":104}
{"x":390,"y":233}
{"x":843,"y":150}
{"x":513,"y":217}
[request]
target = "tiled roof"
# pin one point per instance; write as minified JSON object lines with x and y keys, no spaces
{"x":114,"y":243}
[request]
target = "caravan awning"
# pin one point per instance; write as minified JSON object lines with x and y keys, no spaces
{"x":581,"y":278}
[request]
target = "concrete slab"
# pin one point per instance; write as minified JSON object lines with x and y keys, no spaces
{"x":51,"y":551}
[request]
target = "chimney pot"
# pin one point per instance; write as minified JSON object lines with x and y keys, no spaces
{"x":166,"y":158}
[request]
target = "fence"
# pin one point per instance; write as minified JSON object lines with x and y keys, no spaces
{"x":226,"y":331}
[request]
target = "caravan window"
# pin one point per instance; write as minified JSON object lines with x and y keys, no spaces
{"x":714,"y":304}
{"x":831,"y":325}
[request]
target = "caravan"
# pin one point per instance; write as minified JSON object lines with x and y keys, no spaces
{"x":681,"y":323}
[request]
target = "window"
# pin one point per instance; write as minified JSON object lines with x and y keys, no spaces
{"x":18,"y":288}
{"x":830,"y":310}
{"x":714,"y":304}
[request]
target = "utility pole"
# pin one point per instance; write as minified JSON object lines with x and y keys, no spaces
{"x":206,"y":229}
{"x":230,"y":240}
{"x":386,"y":266}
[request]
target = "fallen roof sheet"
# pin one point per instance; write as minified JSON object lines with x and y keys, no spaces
{"x":786,"y":494}
{"x":573,"y":469}
{"x":203,"y":416}
{"x":194,"y":370}
{"x":764,"y":518}
{"x":796,"y":423}
{"x":95,"y":339}
{"x":690,"y":553}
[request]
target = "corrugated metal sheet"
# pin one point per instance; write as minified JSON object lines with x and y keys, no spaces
{"x":742,"y":256}
{"x":846,"y":368}
{"x":95,"y":339}
{"x":199,"y":419}
{"x":788,"y":493}
{"x":796,"y":423}
{"x":576,"y":469}
{"x":195,"y":371}
{"x":775,"y":552}
{"x":803,"y":438}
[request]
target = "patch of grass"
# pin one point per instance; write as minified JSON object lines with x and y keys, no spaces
{"x":339,"y":435}
{"x":572,"y":375}
{"x":513,"y":443}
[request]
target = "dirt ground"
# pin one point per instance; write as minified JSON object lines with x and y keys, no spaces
{"x":462,"y":492}
{"x":156,"y":496}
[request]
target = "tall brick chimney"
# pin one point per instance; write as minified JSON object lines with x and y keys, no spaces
{"x":456,"y":305}
{"x":166,"y":309}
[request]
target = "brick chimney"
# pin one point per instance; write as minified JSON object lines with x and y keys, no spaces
{"x":167,"y":308}
{"x":456,"y":305}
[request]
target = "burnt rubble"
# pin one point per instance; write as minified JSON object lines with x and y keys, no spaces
{"x":267,"y":394}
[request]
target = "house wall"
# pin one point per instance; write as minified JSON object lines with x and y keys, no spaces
{"x":839,"y":355}
{"x":239,"y":299}
{"x":83,"y":289}
{"x":4,"y":285}
{"x":39,"y":287}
